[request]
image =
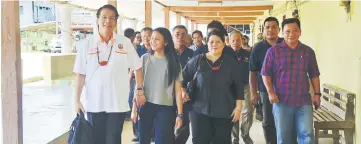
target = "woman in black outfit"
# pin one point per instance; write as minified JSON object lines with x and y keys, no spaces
{"x":218,"y":94}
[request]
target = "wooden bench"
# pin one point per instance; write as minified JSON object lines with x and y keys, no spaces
{"x":336,"y":114}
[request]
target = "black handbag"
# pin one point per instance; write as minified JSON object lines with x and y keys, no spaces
{"x":81,"y":131}
{"x":191,"y":86}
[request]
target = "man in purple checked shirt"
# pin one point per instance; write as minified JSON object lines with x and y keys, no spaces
{"x":286,"y":71}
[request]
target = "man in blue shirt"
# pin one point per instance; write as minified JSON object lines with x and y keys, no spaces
{"x":141,"y":50}
{"x":271,"y":30}
{"x":180,"y":34}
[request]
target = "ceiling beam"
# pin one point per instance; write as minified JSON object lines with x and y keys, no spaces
{"x":159,"y":3}
{"x":214,"y":14}
{"x":217,"y":9}
{"x":229,"y":23}
{"x":226,"y":22}
{"x":223,"y":18}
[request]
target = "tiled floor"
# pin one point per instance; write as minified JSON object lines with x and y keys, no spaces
{"x":48,"y":112}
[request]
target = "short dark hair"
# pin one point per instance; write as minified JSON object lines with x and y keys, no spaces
{"x":246,"y":37}
{"x":129,"y":32}
{"x":270,"y":19}
{"x":197,"y":31}
{"x":180,"y":27}
{"x":291,"y":20}
{"x":146,"y":29}
{"x":217,"y":25}
{"x":137,"y":32}
{"x":108,"y":6}
{"x":216,"y":33}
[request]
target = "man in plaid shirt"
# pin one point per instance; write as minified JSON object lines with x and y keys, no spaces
{"x":286,"y":71}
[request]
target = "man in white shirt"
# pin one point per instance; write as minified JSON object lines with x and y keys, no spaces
{"x":101,"y":68}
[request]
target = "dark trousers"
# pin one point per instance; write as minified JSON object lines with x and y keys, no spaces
{"x":164,"y":122}
{"x":210,"y":130}
{"x":130,"y":102}
{"x":108,"y":127}
{"x":259,"y":108}
{"x":183,"y":133}
{"x":268,"y":122}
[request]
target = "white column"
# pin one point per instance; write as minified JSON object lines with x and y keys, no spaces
{"x":120,"y":25}
{"x":140,"y":25}
{"x":95,"y":24}
{"x":66,"y":32}
{"x":133,"y":24}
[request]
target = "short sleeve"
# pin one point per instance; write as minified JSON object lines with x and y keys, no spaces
{"x":189,"y":70}
{"x":267,"y":67}
{"x":253,"y":60}
{"x":81,"y":56}
{"x":133,"y":59}
{"x":313,"y":70}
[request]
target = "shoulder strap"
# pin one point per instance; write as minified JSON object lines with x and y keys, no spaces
{"x":196,"y":68}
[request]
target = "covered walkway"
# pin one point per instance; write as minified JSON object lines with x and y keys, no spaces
{"x":33,"y":110}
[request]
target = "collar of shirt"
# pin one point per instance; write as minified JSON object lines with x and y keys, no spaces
{"x":184,"y":49}
{"x":284,"y":45}
{"x":269,"y":45}
{"x":198,"y":47}
{"x":215,"y":63}
{"x":101,"y":40}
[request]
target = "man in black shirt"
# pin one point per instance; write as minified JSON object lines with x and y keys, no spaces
{"x":236,"y":42}
{"x":270,"y":30}
{"x":185,"y":54}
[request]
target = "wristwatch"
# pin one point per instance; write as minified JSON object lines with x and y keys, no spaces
{"x":180,"y":115}
{"x":317,"y":94}
{"x":140,"y":88}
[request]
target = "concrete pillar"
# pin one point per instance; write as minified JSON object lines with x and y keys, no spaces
{"x":192,"y":27}
{"x":140,"y":25}
{"x":114,"y":3}
{"x":130,"y":24}
{"x":166,"y":17}
{"x":95,"y":24}
{"x":178,"y":18}
{"x":66,"y":32}
{"x":11,"y":74}
{"x":148,"y":13}
{"x":120,"y":25}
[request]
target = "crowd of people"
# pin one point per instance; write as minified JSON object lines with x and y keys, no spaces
{"x":174,"y":83}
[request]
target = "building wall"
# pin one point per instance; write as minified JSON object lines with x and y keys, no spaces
{"x":44,"y":15}
{"x":335,"y":42}
{"x":26,"y":14}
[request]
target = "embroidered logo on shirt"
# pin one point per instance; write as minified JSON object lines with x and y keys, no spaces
{"x":120,"y":49}
{"x":246,"y":59}
{"x":120,"y":46}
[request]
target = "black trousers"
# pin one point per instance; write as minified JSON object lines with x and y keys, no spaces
{"x":268,"y":122}
{"x":108,"y":127}
{"x":210,"y":130}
